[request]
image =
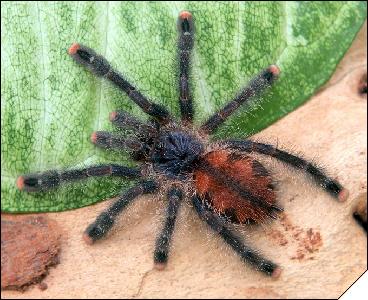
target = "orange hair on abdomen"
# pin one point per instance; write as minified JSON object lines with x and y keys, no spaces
{"x":246,"y":171}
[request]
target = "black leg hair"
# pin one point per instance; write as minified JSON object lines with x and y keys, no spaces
{"x":185,"y":45}
{"x":256,"y":86}
{"x":107,"y":140}
{"x":103,"y":223}
{"x":247,"y":254}
{"x":333,"y":187}
{"x":175,"y":196}
{"x":98,"y":65}
{"x":123,"y":120}
{"x":53,"y":178}
{"x":232,"y":184}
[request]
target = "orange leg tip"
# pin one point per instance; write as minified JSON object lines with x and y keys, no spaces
{"x":73,"y":49}
{"x":87,"y":239}
{"x":275,"y":70}
{"x":112,"y":116}
{"x":20,"y":183}
{"x":343,"y":195}
{"x":94,"y":137}
{"x":276,"y":273}
{"x":185,"y":15}
{"x":160,"y":266}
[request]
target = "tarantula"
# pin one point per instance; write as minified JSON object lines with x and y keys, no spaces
{"x":225,"y":183}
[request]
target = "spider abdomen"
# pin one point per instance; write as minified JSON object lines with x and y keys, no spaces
{"x":232,"y":183}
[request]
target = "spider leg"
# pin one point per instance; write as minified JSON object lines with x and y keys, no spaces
{"x":108,"y":140}
{"x":122,"y":120}
{"x":232,"y":184}
{"x":103,"y":223}
{"x":175,"y":195}
{"x":255,"y":87}
{"x":53,"y":178}
{"x":246,"y":253}
{"x":330,"y":185}
{"x":98,"y":65}
{"x":185,"y":45}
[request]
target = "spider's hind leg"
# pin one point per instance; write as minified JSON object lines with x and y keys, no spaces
{"x":163,"y":241}
{"x":103,"y":223}
{"x":330,"y":185}
{"x":246,"y":253}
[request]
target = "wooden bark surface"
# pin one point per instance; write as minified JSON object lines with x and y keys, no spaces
{"x":320,"y":247}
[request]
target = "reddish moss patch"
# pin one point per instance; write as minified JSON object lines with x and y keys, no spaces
{"x":30,"y":245}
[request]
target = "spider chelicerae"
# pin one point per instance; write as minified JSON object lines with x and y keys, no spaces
{"x":224,"y":182}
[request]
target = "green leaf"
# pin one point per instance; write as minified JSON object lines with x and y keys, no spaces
{"x":50,"y":105}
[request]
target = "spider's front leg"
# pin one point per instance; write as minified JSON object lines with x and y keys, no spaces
{"x":175,"y":196}
{"x":101,"y":67}
{"x":185,"y":45}
{"x":103,"y":223}
{"x":44,"y":181}
{"x":330,"y":185}
{"x":258,"y":84}
{"x":246,"y":253}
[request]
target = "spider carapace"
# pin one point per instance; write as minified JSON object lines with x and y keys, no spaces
{"x":223,"y":180}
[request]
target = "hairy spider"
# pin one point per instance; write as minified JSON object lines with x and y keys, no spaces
{"x":225,"y":183}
